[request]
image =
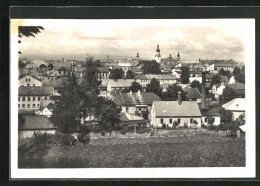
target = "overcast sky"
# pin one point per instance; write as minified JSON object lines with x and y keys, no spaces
{"x":193,"y":39}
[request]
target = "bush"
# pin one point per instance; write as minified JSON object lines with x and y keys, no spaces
{"x":203,"y":126}
{"x":123,"y":131}
{"x":163,"y":126}
{"x":103,"y":133}
{"x":42,"y":138}
{"x":83,"y":138}
{"x":68,"y":140}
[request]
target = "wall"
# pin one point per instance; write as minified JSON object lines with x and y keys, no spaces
{"x":29,"y":81}
{"x":184,"y":120}
{"x":37,"y":102}
{"x":29,"y":133}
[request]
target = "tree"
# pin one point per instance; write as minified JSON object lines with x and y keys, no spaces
{"x":135,"y":86}
{"x":227,"y":73}
{"x":116,"y":73}
{"x":236,"y":71}
{"x":215,"y":80}
{"x":226,"y":116}
{"x":196,"y":84}
{"x":228,"y":94}
{"x":154,"y":86}
{"x":21,"y":119}
{"x":66,"y":114}
{"x":239,"y":76}
{"x":28,"y":31}
{"x":130,"y":74}
{"x":50,"y":66}
{"x":42,"y":66}
{"x":90,"y":63}
{"x":185,"y":74}
{"x":172,"y":93}
{"x":21,"y":64}
{"x":151,"y":67}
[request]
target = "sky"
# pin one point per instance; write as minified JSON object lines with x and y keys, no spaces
{"x":193,"y":39}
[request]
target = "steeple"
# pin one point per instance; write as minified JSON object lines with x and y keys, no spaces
{"x":158,"y":49}
{"x":178,"y":56}
{"x":137,"y":54}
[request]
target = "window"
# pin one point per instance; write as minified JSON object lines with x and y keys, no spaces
{"x":38,"y":105}
{"x":46,"y":98}
{"x":161,"y":121}
{"x":33,"y":98}
{"x":33,"y":106}
{"x":213,"y":120}
{"x":23,"y":98}
{"x":18,"y":105}
{"x":206,"y":119}
{"x":29,"y":79}
{"x":126,"y":109}
{"x":28,"y":105}
{"x":29,"y":99}
{"x":179,"y":120}
{"x":23,"y":105}
{"x":18,"y":98}
{"x":191,"y":120}
{"x":34,"y":85}
{"x":170,"y":121}
{"x":28,"y":85}
{"x":25,"y":79}
{"x":39,"y":98}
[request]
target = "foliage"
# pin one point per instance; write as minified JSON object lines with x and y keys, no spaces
{"x":172,"y":93}
{"x":215,"y":80}
{"x":239,"y":76}
{"x":117,"y":73}
{"x":68,"y":140}
{"x":135,"y":86}
{"x":90,"y":63}
{"x":50,"y":66}
{"x":21,"y":64}
{"x":154,"y":86}
{"x":228,"y":94}
{"x":42,"y":138}
{"x":28,"y":31}
{"x":196,"y":84}
{"x":151,"y":67}
{"x":175,"y":124}
{"x":185,"y":74}
{"x":123,"y":131}
{"x":226,"y":115}
{"x":227,"y":73}
{"x":83,"y":138}
{"x":21,"y":119}
{"x":130,"y":75}
{"x":103,"y":133}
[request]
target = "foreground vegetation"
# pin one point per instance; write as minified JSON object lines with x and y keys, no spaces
{"x":190,"y":149}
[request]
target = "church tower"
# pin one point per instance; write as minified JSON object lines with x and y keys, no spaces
{"x":178,"y":56}
{"x":158,"y":55}
{"x":137,"y":55}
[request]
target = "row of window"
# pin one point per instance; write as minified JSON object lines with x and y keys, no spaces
{"x":27,"y":79}
{"x":179,"y":120}
{"x":33,"y":98}
{"x":28,"y":106}
{"x":29,"y":85}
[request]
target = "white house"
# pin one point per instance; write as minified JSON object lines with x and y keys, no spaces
{"x":199,"y":79}
{"x":237,"y":106}
{"x":210,"y":67}
{"x":186,"y":113}
{"x":29,"y":81}
{"x":211,"y":114}
{"x":232,"y":80}
{"x":217,"y":90}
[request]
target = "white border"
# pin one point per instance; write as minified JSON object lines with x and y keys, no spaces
{"x":245,"y":25}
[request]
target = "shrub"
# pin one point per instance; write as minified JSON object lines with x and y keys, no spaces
{"x":68,"y":140}
{"x":84,"y":129}
{"x":42,"y":138}
{"x":83,"y":138}
{"x":123,"y":131}
{"x":103,"y":133}
{"x":163,"y":126}
{"x":203,"y":126}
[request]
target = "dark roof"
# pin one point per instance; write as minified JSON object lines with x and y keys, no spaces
{"x":59,"y":82}
{"x":126,"y":98}
{"x":212,"y":111}
{"x":192,"y":93}
{"x":63,"y":69}
{"x":239,"y":88}
{"x":172,"y":108}
{"x":103,"y":69}
{"x":35,"y":90}
{"x":36,"y":122}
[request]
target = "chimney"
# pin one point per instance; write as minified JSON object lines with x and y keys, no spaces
{"x":139,"y":93}
{"x":203,"y":91}
{"x":179,"y":98}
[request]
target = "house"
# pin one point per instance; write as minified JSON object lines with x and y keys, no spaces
{"x":63,"y":71}
{"x":237,"y":106}
{"x":119,"y":84}
{"x":146,"y":79}
{"x":224,"y":66}
{"x":35,"y":124}
{"x":126,"y":119}
{"x":211,"y":115}
{"x":217,"y":90}
{"x":186,"y":113}
{"x":103,"y":73}
{"x":30,"y":98}
{"x":135,"y":103}
{"x":39,"y":62}
{"x":223,"y":79}
{"x":29,"y":81}
{"x":193,"y":94}
{"x":53,"y":75}
{"x":44,"y":112}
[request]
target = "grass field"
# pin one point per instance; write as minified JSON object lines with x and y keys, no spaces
{"x":195,"y":149}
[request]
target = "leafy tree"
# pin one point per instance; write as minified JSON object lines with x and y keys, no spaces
{"x":196,"y":84}
{"x":151,"y":67}
{"x":66,"y":114}
{"x":239,"y":76}
{"x":50,"y":66}
{"x":227,"y":73}
{"x":185,"y":74}
{"x":21,"y":64}
{"x":107,"y":110}
{"x":154,"y":86}
{"x":130,"y":74}
{"x":21,"y":119}
{"x":135,"y":86}
{"x":228,"y":94}
{"x":28,"y":31}
{"x":215,"y":80}
{"x":90,"y":63}
{"x":236,"y":71}
{"x":226,"y":115}
{"x":42,"y":66}
{"x":117,"y":73}
{"x":172,"y":93}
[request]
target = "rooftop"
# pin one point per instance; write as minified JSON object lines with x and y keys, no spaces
{"x":237,"y":104}
{"x":33,"y":122}
{"x":35,"y":90}
{"x":192,"y":93}
{"x":172,"y":108}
